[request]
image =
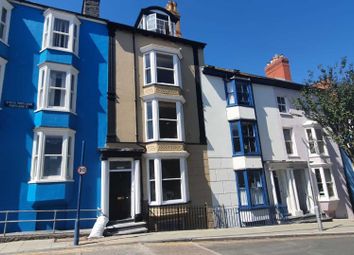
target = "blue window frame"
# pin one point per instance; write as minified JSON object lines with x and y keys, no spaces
{"x":244,"y":138}
{"x":239,"y":92}
{"x":251,"y":188}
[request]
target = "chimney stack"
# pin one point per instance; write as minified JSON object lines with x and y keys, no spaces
{"x":278,"y":68}
{"x":171,"y":6}
{"x":91,"y":8}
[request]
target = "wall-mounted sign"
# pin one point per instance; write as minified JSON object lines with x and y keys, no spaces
{"x":15,"y":104}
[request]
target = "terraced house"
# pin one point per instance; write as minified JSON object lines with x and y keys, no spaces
{"x":271,"y":162}
{"x":54,"y":81}
{"x":156,"y":146}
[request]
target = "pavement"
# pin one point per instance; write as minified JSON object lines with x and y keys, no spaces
{"x":331,"y":229}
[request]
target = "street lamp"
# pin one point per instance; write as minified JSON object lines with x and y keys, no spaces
{"x":315,"y":199}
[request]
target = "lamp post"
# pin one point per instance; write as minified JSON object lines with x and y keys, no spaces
{"x":82,"y":170}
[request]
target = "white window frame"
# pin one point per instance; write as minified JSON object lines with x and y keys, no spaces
{"x":326,"y":196}
{"x":152,"y":50}
{"x":38,"y":149}
{"x":146,"y":19}
{"x":286,"y":105}
{"x":156,"y":119}
{"x":315,"y":141}
{"x":3,"y":63}
{"x":6,"y":5}
{"x":70,"y":88}
{"x":47,"y":41}
{"x":293,"y":142}
{"x":158,"y":181}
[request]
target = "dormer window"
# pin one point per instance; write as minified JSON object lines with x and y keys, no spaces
{"x":159,"y":23}
{"x":61,"y":31}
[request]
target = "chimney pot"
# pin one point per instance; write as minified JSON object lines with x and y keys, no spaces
{"x":91,"y":8}
{"x":278,"y":67}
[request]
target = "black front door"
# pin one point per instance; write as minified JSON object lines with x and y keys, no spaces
{"x":119,"y":195}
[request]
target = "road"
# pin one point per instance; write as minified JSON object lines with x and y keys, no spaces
{"x":342,"y":245}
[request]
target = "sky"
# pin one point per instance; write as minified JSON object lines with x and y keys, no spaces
{"x":246,"y":34}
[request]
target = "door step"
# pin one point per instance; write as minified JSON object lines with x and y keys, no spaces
{"x":308,"y":218}
{"x":125,"y":228}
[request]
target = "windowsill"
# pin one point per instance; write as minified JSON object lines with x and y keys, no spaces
{"x":239,"y":105}
{"x":162,"y":84}
{"x":256,"y":154}
{"x":55,"y":110}
{"x":171,"y":202}
{"x":328,"y":199}
{"x":285,"y":114}
{"x":50,"y":181}
{"x":313,"y":155}
{"x":163,"y":141}
{"x":293,"y":156}
{"x":60,"y":49}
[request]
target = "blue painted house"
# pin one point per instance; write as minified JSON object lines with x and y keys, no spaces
{"x":53,"y":96}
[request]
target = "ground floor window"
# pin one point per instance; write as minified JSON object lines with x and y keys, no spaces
{"x":325,"y":184}
{"x":167,"y":180}
{"x":52,"y":155}
{"x":251,"y":188}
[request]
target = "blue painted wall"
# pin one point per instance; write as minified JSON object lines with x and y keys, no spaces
{"x":349,"y":173}
{"x":16,"y":125}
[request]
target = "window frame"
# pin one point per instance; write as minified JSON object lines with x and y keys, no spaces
{"x":242,"y":152}
{"x":156,"y":134}
{"x":8,"y":7}
{"x":38,"y":153}
{"x":3,"y":63}
{"x":144,"y":24}
{"x":235,"y":93}
{"x":285,"y":105}
{"x":324,"y":183}
{"x":158,"y":180}
{"x":154,"y":68}
{"x":48,"y":31}
{"x":293,"y":142}
{"x":315,"y":141}
{"x":70,"y":89}
{"x":246,"y":175}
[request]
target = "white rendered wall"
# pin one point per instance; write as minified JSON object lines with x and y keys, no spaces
{"x":247,"y":162}
{"x":240,"y":112}
{"x":222,"y":175}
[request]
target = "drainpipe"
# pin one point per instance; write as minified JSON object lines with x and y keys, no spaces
{"x":136,"y":89}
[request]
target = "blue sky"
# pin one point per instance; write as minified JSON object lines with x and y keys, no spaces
{"x":245,"y":34}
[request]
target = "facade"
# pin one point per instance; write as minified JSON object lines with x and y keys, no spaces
{"x":156,"y":149}
{"x":262,"y":161}
{"x":54,"y":81}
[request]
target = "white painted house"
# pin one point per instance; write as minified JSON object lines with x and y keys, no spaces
{"x":263,"y":152}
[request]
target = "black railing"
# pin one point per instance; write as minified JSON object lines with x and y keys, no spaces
{"x":176,"y":217}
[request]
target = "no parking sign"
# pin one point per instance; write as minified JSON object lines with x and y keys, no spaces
{"x":82,"y":170}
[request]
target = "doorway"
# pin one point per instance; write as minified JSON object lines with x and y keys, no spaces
{"x":301,"y":186}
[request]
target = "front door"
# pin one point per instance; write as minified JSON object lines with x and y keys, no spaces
{"x":119,"y":195}
{"x":301,"y":186}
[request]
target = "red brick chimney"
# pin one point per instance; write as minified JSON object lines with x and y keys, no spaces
{"x":278,"y":68}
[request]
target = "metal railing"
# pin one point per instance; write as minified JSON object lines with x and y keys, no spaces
{"x":248,"y":217}
{"x":54,"y":219}
{"x":176,"y":217}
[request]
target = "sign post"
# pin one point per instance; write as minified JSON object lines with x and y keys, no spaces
{"x":82,"y":170}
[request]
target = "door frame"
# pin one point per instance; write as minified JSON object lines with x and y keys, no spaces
{"x":132,"y":193}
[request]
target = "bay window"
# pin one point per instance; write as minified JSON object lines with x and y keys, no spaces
{"x":3,"y":63}
{"x":167,"y":180}
{"x":244,"y":138}
{"x":316,"y":143}
{"x":163,"y":120}
{"x":251,"y":188}
{"x":238,"y":92}
{"x":5,"y":17}
{"x":325,"y":183}
{"x":61,"y":31}
{"x":52,"y":155}
{"x":161,"y":68}
{"x":57,"y":87}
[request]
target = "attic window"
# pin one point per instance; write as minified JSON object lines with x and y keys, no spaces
{"x":159,"y":23}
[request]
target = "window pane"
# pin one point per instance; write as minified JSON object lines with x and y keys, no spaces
{"x":256,"y":187}
{"x":170,"y":168}
{"x":52,"y":166}
{"x":56,"y":97}
{"x":319,"y":182}
{"x":235,"y":137}
{"x":171,"y":190}
{"x":329,"y":182}
{"x":149,"y":110}
{"x":147,"y":60}
{"x":150,"y":129}
{"x":287,"y":134}
{"x":152,"y":191}
{"x":168,"y":129}
{"x":148,"y":76}
{"x":120,"y":165}
{"x":53,"y":145}
{"x":151,"y":169}
{"x":242,"y":189}
{"x":57,"y":79}
{"x":242,"y":92}
{"x":249,"y":138}
{"x":164,"y":60}
{"x":165,"y":76}
{"x":3,"y":15}
{"x":61,"y":25}
{"x":2,"y":31}
{"x":167,"y":110}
